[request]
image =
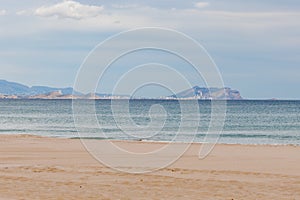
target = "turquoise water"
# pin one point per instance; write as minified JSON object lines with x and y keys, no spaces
{"x":247,"y":122}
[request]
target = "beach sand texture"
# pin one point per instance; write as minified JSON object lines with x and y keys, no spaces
{"x":33,"y":167}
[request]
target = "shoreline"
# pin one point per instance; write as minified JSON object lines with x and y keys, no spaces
{"x":151,"y":99}
{"x":145,"y":141}
{"x":38,"y":167}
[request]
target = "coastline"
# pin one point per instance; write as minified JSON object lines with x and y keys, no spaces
{"x":175,"y":142}
{"x":37,"y":167}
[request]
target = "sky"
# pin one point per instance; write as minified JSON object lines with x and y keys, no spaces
{"x":255,"y":44}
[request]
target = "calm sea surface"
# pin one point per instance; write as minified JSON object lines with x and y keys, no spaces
{"x":247,"y":122}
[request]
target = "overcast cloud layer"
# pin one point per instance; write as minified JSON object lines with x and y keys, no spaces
{"x":256,"y":45}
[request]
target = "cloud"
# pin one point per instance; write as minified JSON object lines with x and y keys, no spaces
{"x":69,"y":9}
{"x":201,"y":4}
{"x":2,"y":12}
{"x":243,"y":39}
{"x":24,"y":12}
{"x":124,"y":6}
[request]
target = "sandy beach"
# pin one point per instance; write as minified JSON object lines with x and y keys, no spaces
{"x":33,"y":167}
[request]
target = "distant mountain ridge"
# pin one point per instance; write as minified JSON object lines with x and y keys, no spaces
{"x":209,"y":93}
{"x":12,"y":90}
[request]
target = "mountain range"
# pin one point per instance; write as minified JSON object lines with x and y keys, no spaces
{"x":209,"y":93}
{"x":12,"y":90}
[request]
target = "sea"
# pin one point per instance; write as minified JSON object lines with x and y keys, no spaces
{"x":272,"y":122}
